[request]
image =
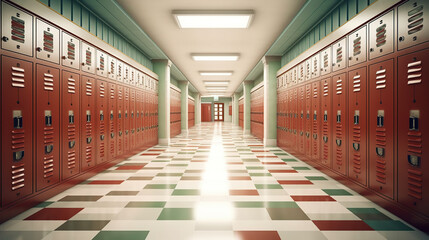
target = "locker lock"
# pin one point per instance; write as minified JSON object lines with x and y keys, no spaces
{"x":356,"y":146}
{"x":17,"y":119}
{"x":302,"y":114}
{"x":126,"y":114}
{"x":119,"y":114}
{"x":111,"y":115}
{"x":49,"y":148}
{"x":71,"y":117}
{"x":301,"y":133}
{"x":325,"y":116}
{"x":338,"y":142}
{"x":414,"y":120}
{"x":414,"y":160}
{"x":133,"y":130}
{"x":88,"y":140}
{"x":48,"y":118}
{"x":126,"y":132}
{"x":17,"y":156}
{"x":88,"y":116}
{"x":315,"y":116}
{"x":307,"y":134}
{"x":380,"y":118}
{"x":72,"y":144}
{"x":325,"y":139}
{"x":339,"y":116}
{"x":314,"y":135}
{"x":308,"y":114}
{"x":356,"y":118}
{"x":120,"y":133}
{"x":102,"y":137}
{"x":101,"y":115}
{"x":112,"y":135}
{"x":379,"y":151}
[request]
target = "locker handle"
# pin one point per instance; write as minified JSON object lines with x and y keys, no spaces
{"x":111,"y":116}
{"x":380,"y":151}
{"x":325,"y":139}
{"x":48,"y":121}
{"x":356,"y":118}
{"x":72,"y":144}
{"x":315,"y":117}
{"x":120,"y":133}
{"x":356,"y":146}
{"x":101,"y":117}
{"x":138,"y":129}
{"x":17,"y":156}
{"x":88,"y":117}
{"x":315,"y":136}
{"x":414,"y":120}
{"x":132,"y":131}
{"x":71,"y":119}
{"x":338,"y":141}
{"x":301,"y":133}
{"x":338,"y":117}
{"x":307,"y":134}
{"x":88,"y":140}
{"x":49,"y":148}
{"x":414,"y":160}
{"x":102,"y":137}
{"x":325,"y":117}
{"x":17,"y":122}
{"x":126,"y":132}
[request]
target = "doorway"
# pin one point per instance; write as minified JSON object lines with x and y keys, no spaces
{"x":206,"y":112}
{"x":218,"y":112}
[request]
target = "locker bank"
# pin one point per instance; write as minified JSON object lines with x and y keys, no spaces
{"x":286,"y":119}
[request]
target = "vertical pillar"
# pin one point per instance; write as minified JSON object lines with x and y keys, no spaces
{"x":247,"y":86}
{"x":198,"y":109}
{"x":271,"y":66}
{"x":162,"y":68}
{"x":183,"y":85}
{"x":235,"y":98}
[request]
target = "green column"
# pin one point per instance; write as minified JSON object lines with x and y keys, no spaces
{"x":183,"y":85}
{"x":247,"y":86}
{"x":162,"y":68}
{"x":198,"y":109}
{"x":235,"y":98}
{"x":271,"y":66}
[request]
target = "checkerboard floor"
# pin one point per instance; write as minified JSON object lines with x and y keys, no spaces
{"x":212,"y":183}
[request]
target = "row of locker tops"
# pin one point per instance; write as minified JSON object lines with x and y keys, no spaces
{"x":353,"y":49}
{"x":51,"y":43}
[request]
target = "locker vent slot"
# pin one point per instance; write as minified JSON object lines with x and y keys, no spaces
{"x":112,"y":67}
{"x":315,"y":92}
{"x":101,"y":63}
{"x":119,"y":70}
{"x":88,"y":58}
{"x":18,"y":29}
{"x":48,"y":41}
{"x":112,"y":93}
{"x":71,"y":50}
{"x":48,"y":166}
{"x":415,"y":72}
{"x":356,"y":46}
{"x":88,"y":88}
{"x":381,"y":35}
{"x":315,"y":66}
{"x":356,"y":83}
{"x":120,"y":94}
{"x":48,"y":84}
{"x":71,"y":159}
{"x":325,"y":89}
{"x":380,"y":169}
{"x":380,"y":79}
{"x":18,"y":176}
{"x":415,"y":20}
{"x":308,"y":69}
{"x":415,"y":184}
{"x":325,"y":61}
{"x":339,"y":89}
{"x":71,"y":85}
{"x":18,"y":77}
{"x":339,"y":54}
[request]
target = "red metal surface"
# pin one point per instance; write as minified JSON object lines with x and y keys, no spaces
{"x":101,"y":117}
{"x":120,"y":120}
{"x":316,"y":118}
{"x":88,"y":121}
{"x":339,"y":117}
{"x":326,"y":118}
{"x":132,"y":116}
{"x":126,"y":116}
{"x":308,"y":121}
{"x":112,"y":116}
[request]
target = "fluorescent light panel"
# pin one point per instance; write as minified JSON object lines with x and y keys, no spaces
{"x":216,"y":73}
{"x":215,"y":57}
{"x":213,"y":19}
{"x":216,"y":83}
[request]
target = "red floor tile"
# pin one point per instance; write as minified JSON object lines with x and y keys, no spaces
{"x":150,"y":154}
{"x":243,"y":192}
{"x":239,"y":178}
{"x":156,"y":150}
{"x":137,"y":167}
{"x":312,"y":198}
{"x":342,"y":225}
{"x":236,"y":163}
{"x":257,"y":235}
{"x":54,"y":214}
{"x":294,"y":182}
{"x":102,"y":182}
{"x":283,"y":171}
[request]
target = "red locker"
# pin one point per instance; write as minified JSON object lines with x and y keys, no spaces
{"x":139,"y":119}
{"x":112,"y":120}
{"x":120,"y":121}
{"x":308,"y":121}
{"x":156,"y":115}
{"x":127,"y":116}
{"x":315,"y":118}
{"x":48,"y":126}
{"x":70,"y":124}
{"x":381,"y":128}
{"x":144,"y":118}
{"x":301,"y":119}
{"x":17,"y":130}
{"x":88,"y":139}
{"x":101,"y":117}
{"x":133,"y":116}
{"x":357,"y":155}
{"x":339,"y":114}
{"x":413,"y":112}
{"x":294,"y":124}
{"x":326,"y":147}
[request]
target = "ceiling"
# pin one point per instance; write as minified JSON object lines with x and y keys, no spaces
{"x":156,"y":20}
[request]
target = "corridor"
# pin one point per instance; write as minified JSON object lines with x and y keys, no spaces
{"x":213,"y":183}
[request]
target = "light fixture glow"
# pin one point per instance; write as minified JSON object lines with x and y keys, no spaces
{"x":215,"y":73}
{"x":215,"y":57}
{"x":216,"y":83}
{"x":213,"y":19}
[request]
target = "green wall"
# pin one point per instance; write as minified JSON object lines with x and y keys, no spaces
{"x":258,"y":80}
{"x":192,"y":94}
{"x":174,"y":81}
{"x":345,"y":10}
{"x":80,"y":15}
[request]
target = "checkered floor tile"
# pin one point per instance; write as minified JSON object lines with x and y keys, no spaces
{"x":212,"y":183}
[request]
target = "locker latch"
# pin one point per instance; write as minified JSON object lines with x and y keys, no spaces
{"x":338,"y":141}
{"x":120,"y":133}
{"x":49,"y":148}
{"x":48,"y":118}
{"x":102,"y":137}
{"x":315,"y":116}
{"x":414,"y":160}
{"x":308,"y":115}
{"x":380,"y":118}
{"x":138,"y":129}
{"x":325,"y":116}
{"x":302,"y":114}
{"x":88,"y":116}
{"x":17,"y":156}
{"x":17,"y":119}
{"x":126,"y":114}
{"x":356,"y":146}
{"x":111,"y":115}
{"x":88,"y":140}
{"x":314,"y":135}
{"x":126,"y":132}
{"x":380,"y":151}
{"x":339,"y":116}
{"x":72,"y":144}
{"x":356,"y":117}
{"x":112,"y":135}
{"x":132,"y":114}
{"x":101,"y":115}
{"x":414,"y":120}
{"x":307,"y":134}
{"x":119,"y":114}
{"x":71,"y":117}
{"x":132,"y":131}
{"x":325,"y":139}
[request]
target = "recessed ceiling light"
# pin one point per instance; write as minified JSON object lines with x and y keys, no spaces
{"x":216,"y":89}
{"x":213,"y":19}
{"x":215,"y":73}
{"x":216,"y":83}
{"x":215,"y":57}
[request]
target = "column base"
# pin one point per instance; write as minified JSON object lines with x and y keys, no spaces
{"x":164,"y":141}
{"x":247,"y":131}
{"x":270,"y":142}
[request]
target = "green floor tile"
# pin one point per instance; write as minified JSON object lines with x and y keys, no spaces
{"x":337,"y":192}
{"x":83,"y":225}
{"x":169,"y":174}
{"x":122,"y":235}
{"x":43,"y":204}
{"x":259,"y":174}
{"x":316,"y":178}
{"x":268,"y":186}
{"x":186,"y":192}
{"x":145,"y":205}
{"x":160,"y":186}
{"x":250,"y":160}
{"x":301,"y":168}
{"x":364,"y":210}
{"x":289,"y":160}
{"x":369,"y":214}
{"x":388,"y":225}
{"x":281,"y":205}
{"x":249,"y":204}
{"x":281,"y":154}
{"x":255,"y":168}
{"x":177,"y":165}
{"x":177,"y":214}
{"x":265,"y":204}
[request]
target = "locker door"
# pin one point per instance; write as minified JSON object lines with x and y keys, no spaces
{"x":326,"y":113}
{"x":127,"y":116}
{"x":17,"y":130}
{"x":413,"y":133}
{"x":88,"y":58}
{"x":138,"y":119}
{"x":101,"y":116}
{"x":381,"y":35}
{"x":88,"y":116}
{"x":307,"y":120}
{"x":70,"y":51}
{"x":339,"y":114}
{"x":357,"y":168}
{"x":294,"y":139}
{"x":48,"y":126}
{"x":290,"y":125}
{"x":412,"y":23}
{"x":111,"y":67}
{"x":119,"y":71}
{"x":357,"y":46}
{"x":112,"y":120}
{"x":101,"y":66}
{"x":339,"y":55}
{"x":326,"y":61}
{"x":48,"y":42}
{"x":133,"y":119}
{"x":120,"y":121}
{"x":381,"y":128}
{"x":308,"y":69}
{"x":70,"y":124}
{"x":301,"y":119}
{"x":126,"y":74}
{"x":143,"y":114}
{"x":315,"y":117}
{"x":315,"y":65}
